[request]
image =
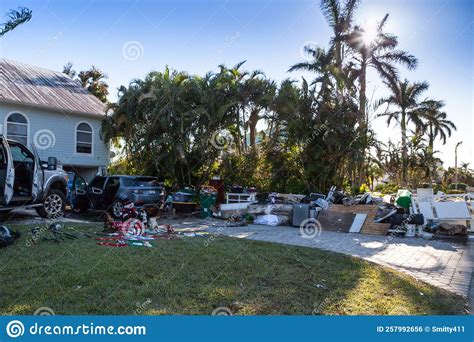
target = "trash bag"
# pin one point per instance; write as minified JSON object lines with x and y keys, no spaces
{"x":7,"y":237}
{"x":338,"y":197}
{"x":271,"y":220}
{"x":398,"y":219}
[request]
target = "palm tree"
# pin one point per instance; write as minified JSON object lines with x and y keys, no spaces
{"x":15,"y":18}
{"x":234,"y":78}
{"x":377,"y":50}
{"x":93,"y":80}
{"x":437,"y":123}
{"x":321,"y":64}
{"x":260,"y":94}
{"x":405,"y":98}
{"x":340,"y":20}
{"x":465,"y":167}
{"x":330,"y":63}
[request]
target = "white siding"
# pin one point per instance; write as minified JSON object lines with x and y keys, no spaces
{"x":64,"y":136}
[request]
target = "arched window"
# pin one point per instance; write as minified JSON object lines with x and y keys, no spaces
{"x":84,"y":138}
{"x":17,"y":128}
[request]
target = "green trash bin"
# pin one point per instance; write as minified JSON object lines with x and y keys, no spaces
{"x":403,"y":198}
{"x":207,"y":201}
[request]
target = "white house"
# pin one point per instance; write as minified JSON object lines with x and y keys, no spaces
{"x":54,"y":113}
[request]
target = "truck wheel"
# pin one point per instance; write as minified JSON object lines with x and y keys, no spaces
{"x":53,"y":204}
{"x":116,"y":209}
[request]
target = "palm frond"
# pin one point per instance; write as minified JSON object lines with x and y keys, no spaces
{"x":400,"y":57}
{"x":331,"y":11}
{"x":15,"y":18}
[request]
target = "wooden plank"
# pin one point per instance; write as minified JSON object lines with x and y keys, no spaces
{"x":358,"y":222}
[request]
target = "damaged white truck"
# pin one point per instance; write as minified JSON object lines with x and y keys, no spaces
{"x":28,"y":182}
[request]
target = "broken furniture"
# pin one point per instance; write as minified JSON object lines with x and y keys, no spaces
{"x":183,"y":202}
{"x":443,"y":213}
{"x":249,"y":197}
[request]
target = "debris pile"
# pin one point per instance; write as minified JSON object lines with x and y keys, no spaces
{"x":136,"y":230}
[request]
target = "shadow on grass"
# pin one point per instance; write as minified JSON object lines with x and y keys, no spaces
{"x":190,"y":276}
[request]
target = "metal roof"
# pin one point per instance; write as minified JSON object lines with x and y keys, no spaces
{"x":30,"y":85}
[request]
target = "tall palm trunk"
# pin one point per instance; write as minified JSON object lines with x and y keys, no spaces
{"x":252,"y":123}
{"x":403,"y":127}
{"x":431,"y":168}
{"x":431,"y":139}
{"x":362,"y":113}
{"x":362,"y":91}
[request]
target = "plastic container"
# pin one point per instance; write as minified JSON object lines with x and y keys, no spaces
{"x":207,"y":201}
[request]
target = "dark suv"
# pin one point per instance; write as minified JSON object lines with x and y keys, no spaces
{"x":110,"y":192}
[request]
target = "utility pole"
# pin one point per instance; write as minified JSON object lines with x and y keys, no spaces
{"x":456,"y":163}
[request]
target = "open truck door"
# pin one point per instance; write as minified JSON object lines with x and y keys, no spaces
{"x":7,"y":171}
{"x":38,"y":177}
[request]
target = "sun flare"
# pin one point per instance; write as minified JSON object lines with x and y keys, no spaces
{"x":370,"y":31}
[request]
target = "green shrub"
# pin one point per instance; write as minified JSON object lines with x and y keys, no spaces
{"x":461,"y":186}
{"x":388,"y":188}
{"x":364,"y":188}
{"x":455,"y":192}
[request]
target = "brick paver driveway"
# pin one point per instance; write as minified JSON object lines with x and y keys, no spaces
{"x":443,"y":264}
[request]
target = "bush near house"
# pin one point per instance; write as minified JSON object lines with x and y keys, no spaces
{"x":461,"y":186}
{"x":387,"y":189}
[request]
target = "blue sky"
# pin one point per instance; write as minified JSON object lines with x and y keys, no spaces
{"x":198,"y":35}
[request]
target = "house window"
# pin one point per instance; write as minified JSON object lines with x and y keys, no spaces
{"x":84,"y":138}
{"x":17,"y":128}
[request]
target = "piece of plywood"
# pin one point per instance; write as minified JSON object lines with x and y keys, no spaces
{"x":452,"y":211}
{"x":358,"y":222}
{"x":426,"y":208}
{"x":424,"y":195}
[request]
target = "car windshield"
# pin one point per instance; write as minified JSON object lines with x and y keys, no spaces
{"x":140,"y":181}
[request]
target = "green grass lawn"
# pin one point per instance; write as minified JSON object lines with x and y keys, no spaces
{"x":190,"y":276}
